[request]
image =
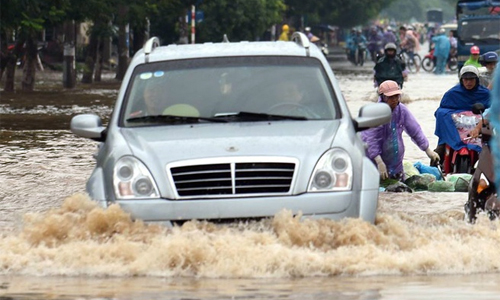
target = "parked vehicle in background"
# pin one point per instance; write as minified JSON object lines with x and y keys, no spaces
{"x":224,"y":131}
{"x":478,"y":24}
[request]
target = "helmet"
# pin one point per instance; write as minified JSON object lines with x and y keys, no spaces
{"x":285,"y":27}
{"x":474,"y":50}
{"x":442,"y":30}
{"x":490,"y":57}
{"x":308,"y":28}
{"x":389,"y":28}
{"x":469,"y":71}
{"x":390,"y":46}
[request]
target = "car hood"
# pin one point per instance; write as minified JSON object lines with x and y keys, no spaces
{"x":286,"y":138}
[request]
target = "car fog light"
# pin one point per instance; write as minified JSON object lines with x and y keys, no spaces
{"x":125,"y":190}
{"x":143,"y":186}
{"x":323,"y":180}
{"x":342,"y":180}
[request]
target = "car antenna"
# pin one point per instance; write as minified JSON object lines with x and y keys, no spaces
{"x":149,"y":46}
{"x":225,"y":39}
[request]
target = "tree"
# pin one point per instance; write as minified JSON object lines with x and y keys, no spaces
{"x":404,"y":10}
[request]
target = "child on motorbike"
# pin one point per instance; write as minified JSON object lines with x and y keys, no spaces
{"x":385,"y":146}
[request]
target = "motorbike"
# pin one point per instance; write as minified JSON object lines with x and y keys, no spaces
{"x":482,"y":191}
{"x":376,"y":50}
{"x":463,"y":159}
{"x":360,"y":54}
{"x":429,"y":61}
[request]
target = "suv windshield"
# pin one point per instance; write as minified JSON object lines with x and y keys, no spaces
{"x":233,"y":89}
{"x":485,"y":31}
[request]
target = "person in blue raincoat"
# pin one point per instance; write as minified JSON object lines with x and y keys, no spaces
{"x":459,"y":98}
{"x":494,"y":117}
{"x":385,"y":146}
{"x":442,"y":48}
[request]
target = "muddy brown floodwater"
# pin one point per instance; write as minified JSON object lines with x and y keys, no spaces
{"x":56,"y":244}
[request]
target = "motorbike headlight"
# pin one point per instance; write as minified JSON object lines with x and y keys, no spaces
{"x":132,"y":180}
{"x":333,"y":172}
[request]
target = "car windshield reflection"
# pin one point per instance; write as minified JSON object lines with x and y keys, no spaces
{"x":229,"y":90}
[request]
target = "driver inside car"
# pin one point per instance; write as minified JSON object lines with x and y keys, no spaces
{"x":291,"y":100}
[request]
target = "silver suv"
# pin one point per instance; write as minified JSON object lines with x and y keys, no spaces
{"x":233,"y":130}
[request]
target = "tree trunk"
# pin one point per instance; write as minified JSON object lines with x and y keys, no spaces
{"x":98,"y":66}
{"x":90,"y":60}
{"x":123,"y":55}
{"x":29,"y":71}
{"x":140,"y":36}
{"x":10,"y":72}
{"x":69,"y":69}
{"x":11,"y":66}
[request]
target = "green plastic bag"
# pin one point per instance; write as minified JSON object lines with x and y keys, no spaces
{"x":409,"y":169}
{"x":461,"y":181}
{"x":442,"y":186}
{"x":420,"y":182}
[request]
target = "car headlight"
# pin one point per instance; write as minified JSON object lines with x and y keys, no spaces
{"x":333,"y":172}
{"x":132,"y":180}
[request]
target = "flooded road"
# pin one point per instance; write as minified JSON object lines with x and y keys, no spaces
{"x":56,"y":244}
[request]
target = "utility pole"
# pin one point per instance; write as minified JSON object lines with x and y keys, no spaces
{"x":69,"y":69}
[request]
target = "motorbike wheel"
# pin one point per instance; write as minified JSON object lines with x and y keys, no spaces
{"x":462,"y":164}
{"x":453,"y":64}
{"x":361,"y":58}
{"x":428,"y":64}
{"x":470,"y":209}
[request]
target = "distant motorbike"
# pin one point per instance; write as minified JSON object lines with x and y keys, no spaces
{"x":429,"y":61}
{"x":376,"y":50}
{"x":482,"y":192}
{"x":359,"y":55}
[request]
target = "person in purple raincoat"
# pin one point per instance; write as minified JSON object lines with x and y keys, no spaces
{"x":385,"y":145}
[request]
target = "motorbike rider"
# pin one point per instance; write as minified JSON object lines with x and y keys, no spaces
{"x":409,"y":43}
{"x":375,"y":38}
{"x":495,"y":121}
{"x":385,"y":144}
{"x":390,"y":67}
{"x":356,"y":41}
{"x":459,"y":98}
{"x":389,"y":37}
{"x":308,"y":33}
{"x":489,"y":60}
{"x":474,"y":57}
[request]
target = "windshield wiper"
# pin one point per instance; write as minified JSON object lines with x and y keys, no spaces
{"x":171,"y":119}
{"x":251,"y":116}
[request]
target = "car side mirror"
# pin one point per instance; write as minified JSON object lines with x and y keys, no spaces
{"x":478,"y":108}
{"x":88,"y":126}
{"x":372,"y":115}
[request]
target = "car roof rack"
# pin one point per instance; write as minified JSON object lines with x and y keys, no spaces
{"x":302,"y":40}
{"x":225,"y":39}
{"x":149,"y":46}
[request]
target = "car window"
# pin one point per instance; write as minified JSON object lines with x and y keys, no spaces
{"x":212,"y":87}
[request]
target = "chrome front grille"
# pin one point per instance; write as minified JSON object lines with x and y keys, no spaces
{"x":233,"y":178}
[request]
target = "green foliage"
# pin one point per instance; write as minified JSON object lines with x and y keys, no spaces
{"x":239,"y":19}
{"x":405,"y":10}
